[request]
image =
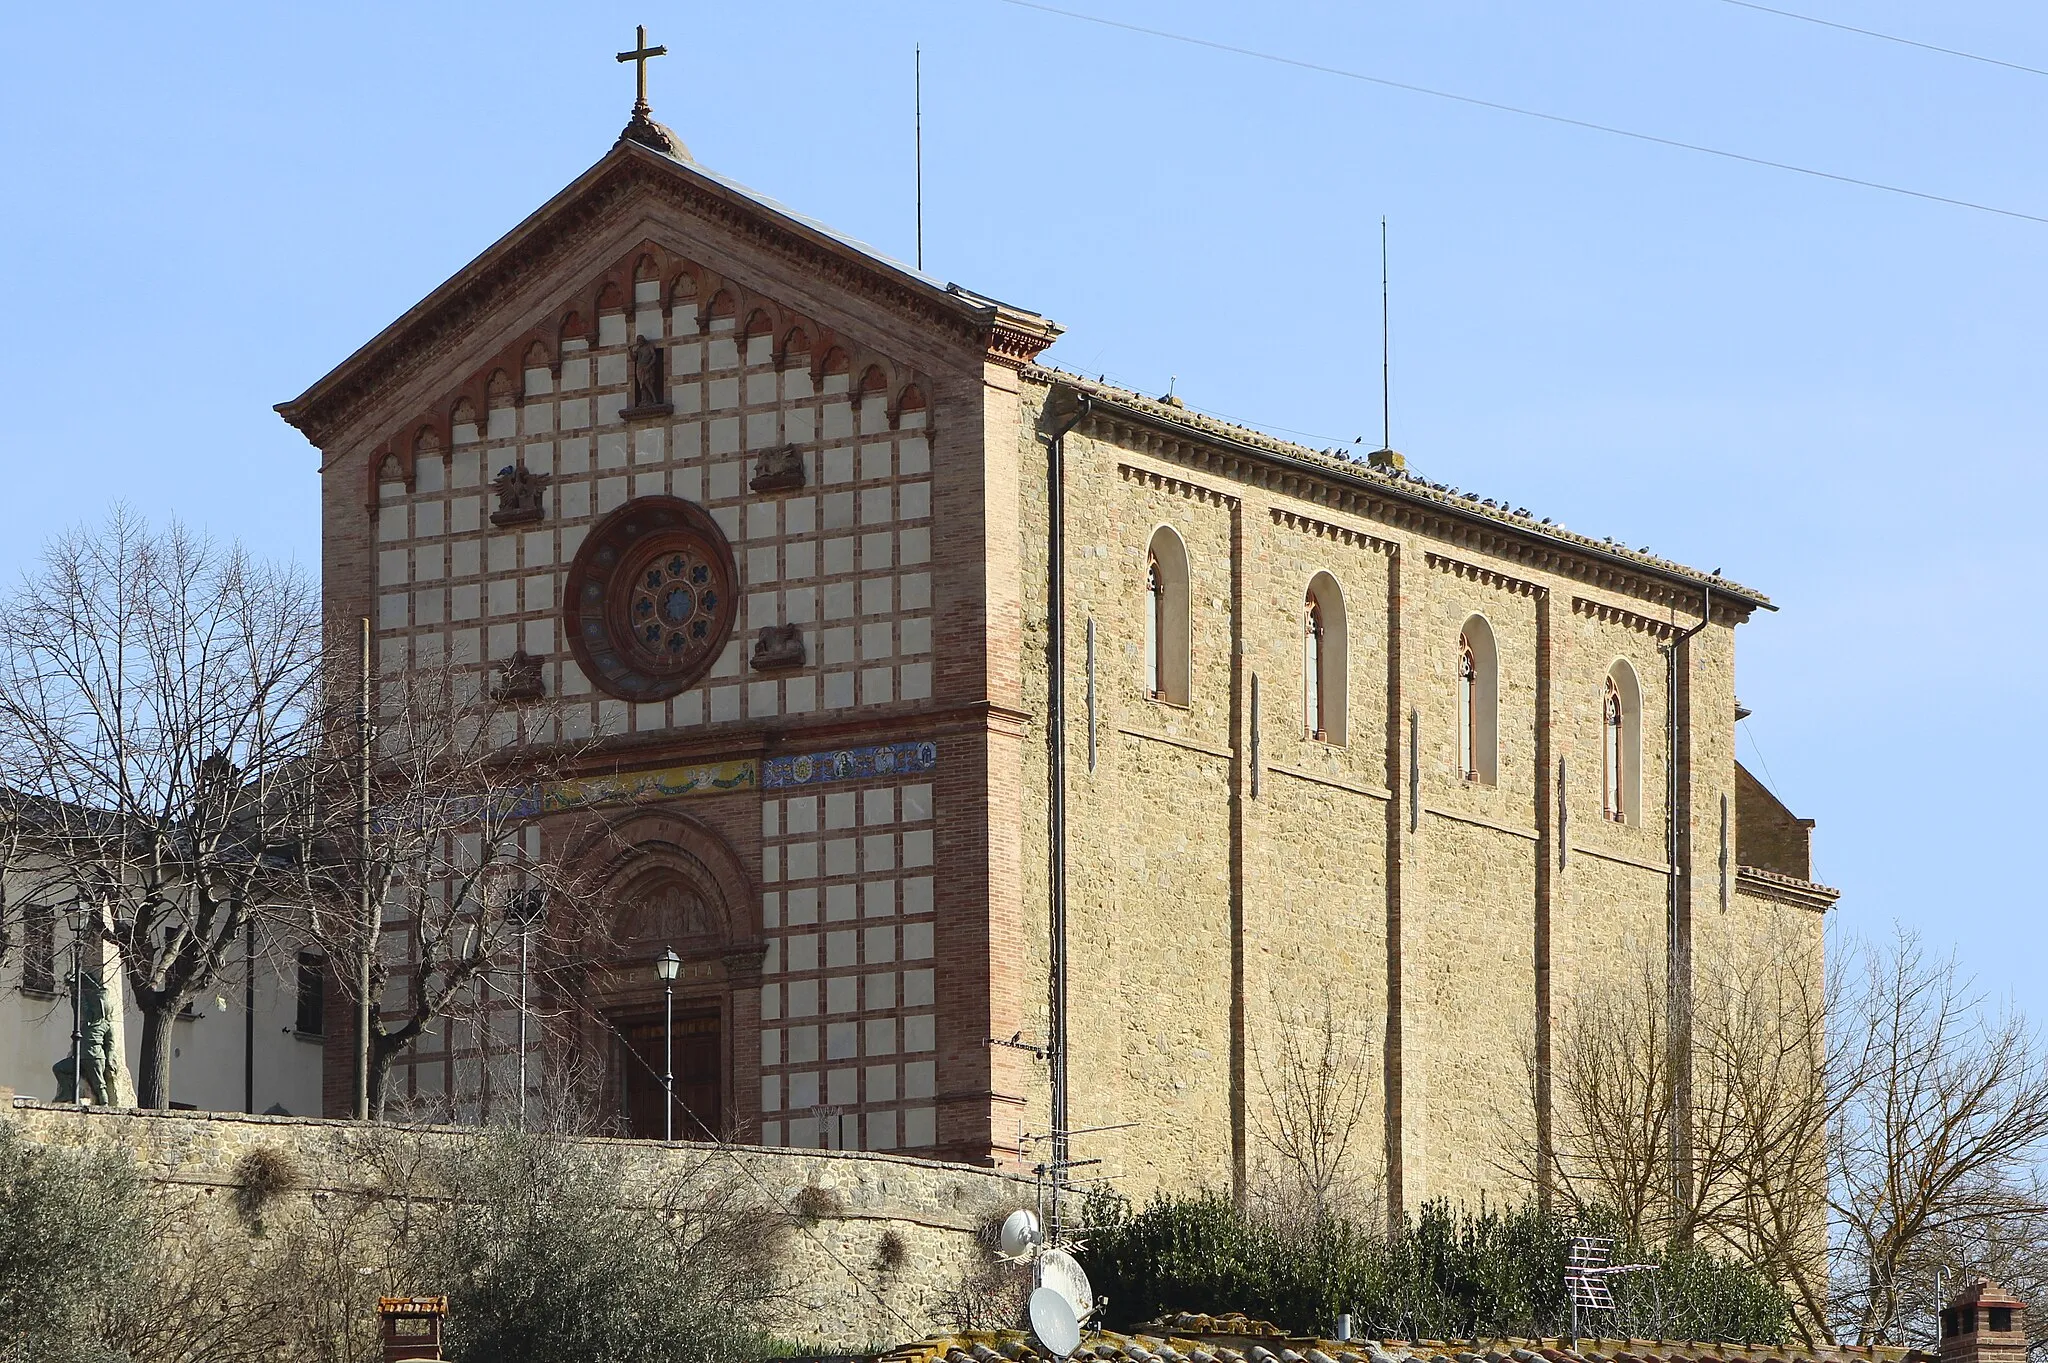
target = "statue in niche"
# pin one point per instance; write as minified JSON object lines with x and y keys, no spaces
{"x":777,"y":647}
{"x":646,"y":393}
{"x":98,"y":1057}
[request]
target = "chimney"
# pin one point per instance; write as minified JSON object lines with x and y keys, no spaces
{"x":1984,"y":1324}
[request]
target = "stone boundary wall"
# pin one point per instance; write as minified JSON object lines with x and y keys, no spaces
{"x":837,"y":1292}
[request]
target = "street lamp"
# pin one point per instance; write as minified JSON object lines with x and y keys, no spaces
{"x":76,"y":918}
{"x":667,"y":965}
{"x":526,"y":912}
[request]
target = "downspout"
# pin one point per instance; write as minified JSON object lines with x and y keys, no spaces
{"x":1677,"y":968}
{"x":1056,"y":782}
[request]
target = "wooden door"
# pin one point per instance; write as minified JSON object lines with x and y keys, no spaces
{"x":699,"y":1065}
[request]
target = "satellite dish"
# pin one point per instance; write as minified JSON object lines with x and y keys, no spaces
{"x":1053,"y":1323}
{"x":1021,"y":1233}
{"x":1059,"y":1271}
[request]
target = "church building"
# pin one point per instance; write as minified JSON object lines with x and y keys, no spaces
{"x":1005,"y":753}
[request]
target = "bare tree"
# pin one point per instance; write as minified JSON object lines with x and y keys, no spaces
{"x":1611,"y":1093}
{"x":154,"y":692}
{"x":1759,"y":1096}
{"x":1936,"y":1152}
{"x":422,"y":903}
{"x":1854,"y":1140}
{"x":1315,"y":1085}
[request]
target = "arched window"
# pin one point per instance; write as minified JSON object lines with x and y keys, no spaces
{"x":1324,"y":661}
{"x":1166,"y":618}
{"x":1621,"y":745}
{"x":1312,"y":669}
{"x":1155,"y":622}
{"x":1468,"y":678}
{"x":1610,"y":754}
{"x":1478,"y":703}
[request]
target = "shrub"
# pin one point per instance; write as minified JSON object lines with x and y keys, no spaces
{"x":541,"y":1264}
{"x":1447,"y":1274}
{"x":70,"y":1233}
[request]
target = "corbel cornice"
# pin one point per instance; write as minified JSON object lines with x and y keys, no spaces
{"x":1398,"y":503}
{"x":1615,"y":615}
{"x":1357,"y":539}
{"x":1152,"y":478}
{"x":1474,"y":572}
{"x":1784,"y":889}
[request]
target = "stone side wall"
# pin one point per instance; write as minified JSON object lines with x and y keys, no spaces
{"x":835,"y":1292}
{"x":1230,"y":873}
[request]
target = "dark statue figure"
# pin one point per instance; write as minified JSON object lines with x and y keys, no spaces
{"x":519,"y":679}
{"x":777,"y":647}
{"x":779,"y":470}
{"x":647,"y":393}
{"x":519,"y":495}
{"x":97,"y":1054}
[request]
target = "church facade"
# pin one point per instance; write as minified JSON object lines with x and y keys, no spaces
{"x":955,"y":709}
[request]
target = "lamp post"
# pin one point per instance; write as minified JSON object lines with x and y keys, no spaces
{"x":76,"y":919}
{"x":666,"y":966}
{"x":527,"y":913}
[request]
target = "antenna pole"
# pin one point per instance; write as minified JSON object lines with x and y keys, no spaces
{"x":1386,"y":384}
{"x":917,"y":107}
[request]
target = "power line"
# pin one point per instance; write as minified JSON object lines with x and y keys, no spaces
{"x":1887,"y":37}
{"x":1607,"y":128}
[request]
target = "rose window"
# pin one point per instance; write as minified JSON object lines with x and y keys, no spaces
{"x":648,"y":604}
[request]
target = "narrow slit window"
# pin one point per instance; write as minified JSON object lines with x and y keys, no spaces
{"x":1167,"y":662}
{"x":1610,"y":750}
{"x":1468,"y":697}
{"x":1612,"y":775}
{"x":1312,"y":669}
{"x":1155,"y":626}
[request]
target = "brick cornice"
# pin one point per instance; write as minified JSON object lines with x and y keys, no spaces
{"x":433,"y":326}
{"x":1357,"y":539}
{"x":1784,"y":889}
{"x":1406,"y":505}
{"x":1615,"y":615}
{"x":1474,"y":572}
{"x":1152,"y":478}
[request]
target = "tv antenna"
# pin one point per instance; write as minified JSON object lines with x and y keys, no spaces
{"x":1384,"y":458}
{"x":917,"y":116}
{"x":1386,"y":369}
{"x":1587,"y":1268}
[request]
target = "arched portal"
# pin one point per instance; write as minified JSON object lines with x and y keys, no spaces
{"x":668,"y":882}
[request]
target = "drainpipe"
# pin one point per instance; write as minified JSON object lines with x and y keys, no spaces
{"x":1056,"y":780}
{"x":1677,"y":968}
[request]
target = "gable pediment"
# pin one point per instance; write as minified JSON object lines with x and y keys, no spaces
{"x":577,"y":359}
{"x":637,"y":203}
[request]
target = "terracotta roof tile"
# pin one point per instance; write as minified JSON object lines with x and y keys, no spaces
{"x":1406,"y":484}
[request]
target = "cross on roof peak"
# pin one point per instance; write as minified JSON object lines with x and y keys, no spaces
{"x":641,"y":127}
{"x":639,"y":56}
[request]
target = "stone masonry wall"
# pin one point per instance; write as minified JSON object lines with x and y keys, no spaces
{"x":1232,"y":874}
{"x":835,"y":1292}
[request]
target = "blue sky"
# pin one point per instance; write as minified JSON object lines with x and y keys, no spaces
{"x":1831,"y":393}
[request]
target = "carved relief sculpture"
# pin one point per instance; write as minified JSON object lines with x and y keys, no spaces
{"x":778,"y":648}
{"x":519,"y":679}
{"x":779,"y":470}
{"x":646,"y":391}
{"x":518,"y":488}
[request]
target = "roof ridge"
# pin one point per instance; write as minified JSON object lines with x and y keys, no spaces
{"x":1406,"y":483}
